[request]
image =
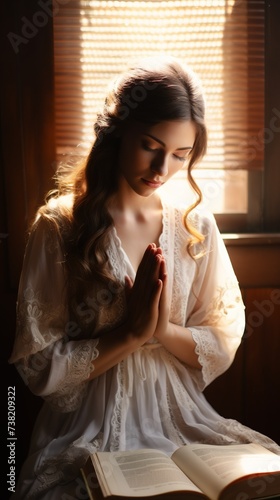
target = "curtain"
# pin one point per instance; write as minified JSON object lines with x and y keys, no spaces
{"x":222,"y":40}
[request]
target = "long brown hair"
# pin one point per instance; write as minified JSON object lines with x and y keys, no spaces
{"x":153,"y":91}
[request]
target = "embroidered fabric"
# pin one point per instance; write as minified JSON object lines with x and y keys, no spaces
{"x":150,"y":399}
{"x":61,"y":468}
{"x":31,"y":312}
{"x":45,"y":338}
{"x":120,"y":407}
{"x":69,"y":396}
{"x":42,"y":319}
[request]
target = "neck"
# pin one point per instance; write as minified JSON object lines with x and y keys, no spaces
{"x":125,"y":200}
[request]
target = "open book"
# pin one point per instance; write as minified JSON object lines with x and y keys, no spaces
{"x":196,"y":471}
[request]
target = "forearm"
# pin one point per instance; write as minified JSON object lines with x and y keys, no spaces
{"x":178,"y":341}
{"x":113,"y":347}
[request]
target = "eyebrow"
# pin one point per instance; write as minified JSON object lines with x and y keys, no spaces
{"x":163,"y":144}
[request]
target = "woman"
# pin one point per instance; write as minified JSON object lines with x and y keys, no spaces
{"x":128,"y":307}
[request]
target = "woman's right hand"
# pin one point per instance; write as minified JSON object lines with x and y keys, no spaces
{"x":143,"y":300}
{"x":144,"y":295}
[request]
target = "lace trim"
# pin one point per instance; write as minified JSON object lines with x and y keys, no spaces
{"x":69,"y":397}
{"x":116,"y":257}
{"x":164,"y":242}
{"x":113,"y":306}
{"x":62,"y":468}
{"x":178,"y":306}
{"x":206,"y":350}
{"x":238,"y":433}
{"x":174,"y":241}
{"x":182,"y":396}
{"x":170,"y":412}
{"x":118,"y":432}
{"x":221,"y":311}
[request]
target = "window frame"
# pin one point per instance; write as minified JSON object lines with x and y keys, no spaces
{"x":263,"y":214}
{"x":271,"y":180}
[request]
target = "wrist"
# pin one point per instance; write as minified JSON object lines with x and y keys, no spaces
{"x":166,"y":334}
{"x":133,"y":337}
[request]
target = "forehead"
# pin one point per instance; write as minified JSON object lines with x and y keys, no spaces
{"x":174,"y":134}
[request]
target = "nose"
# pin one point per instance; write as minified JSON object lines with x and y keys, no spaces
{"x":160,"y":164}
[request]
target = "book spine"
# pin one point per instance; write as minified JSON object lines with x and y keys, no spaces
{"x":89,"y":492}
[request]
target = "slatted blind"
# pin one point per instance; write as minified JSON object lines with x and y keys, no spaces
{"x":222,"y":40}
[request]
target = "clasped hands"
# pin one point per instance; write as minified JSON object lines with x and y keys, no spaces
{"x":148,"y":308}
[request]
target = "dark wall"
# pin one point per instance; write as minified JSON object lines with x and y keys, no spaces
{"x":250,"y":390}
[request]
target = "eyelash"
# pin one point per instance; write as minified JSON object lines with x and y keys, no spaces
{"x":152,"y":150}
{"x":148,"y":148}
{"x":180,"y":158}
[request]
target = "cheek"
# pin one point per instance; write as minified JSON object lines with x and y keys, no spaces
{"x":130,"y":157}
{"x":175,"y":166}
{"x":133,"y":160}
{"x":125,"y":157}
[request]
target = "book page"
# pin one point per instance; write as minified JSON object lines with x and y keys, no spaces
{"x":139,"y":473}
{"x":212,"y":468}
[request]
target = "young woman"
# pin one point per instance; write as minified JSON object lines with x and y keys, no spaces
{"x":128,"y":306}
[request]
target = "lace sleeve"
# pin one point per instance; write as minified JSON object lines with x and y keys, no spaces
{"x":52,"y":365}
{"x":217,"y":320}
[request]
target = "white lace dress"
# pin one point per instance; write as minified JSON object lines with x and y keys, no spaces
{"x":150,"y":399}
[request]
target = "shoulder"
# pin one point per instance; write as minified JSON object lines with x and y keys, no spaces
{"x":196,"y":231}
{"x":54,"y":214}
{"x":57,"y":207}
{"x":201,"y":219}
{"x":52,"y":221}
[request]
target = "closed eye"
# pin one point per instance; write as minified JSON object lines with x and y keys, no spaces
{"x":148,"y":147}
{"x":152,"y":148}
{"x":182,"y":158}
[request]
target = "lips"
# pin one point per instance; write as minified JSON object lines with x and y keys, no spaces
{"x":152,"y":183}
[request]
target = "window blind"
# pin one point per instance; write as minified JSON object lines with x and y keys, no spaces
{"x":222,"y":40}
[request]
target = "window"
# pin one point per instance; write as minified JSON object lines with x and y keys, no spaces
{"x":222,"y":40}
